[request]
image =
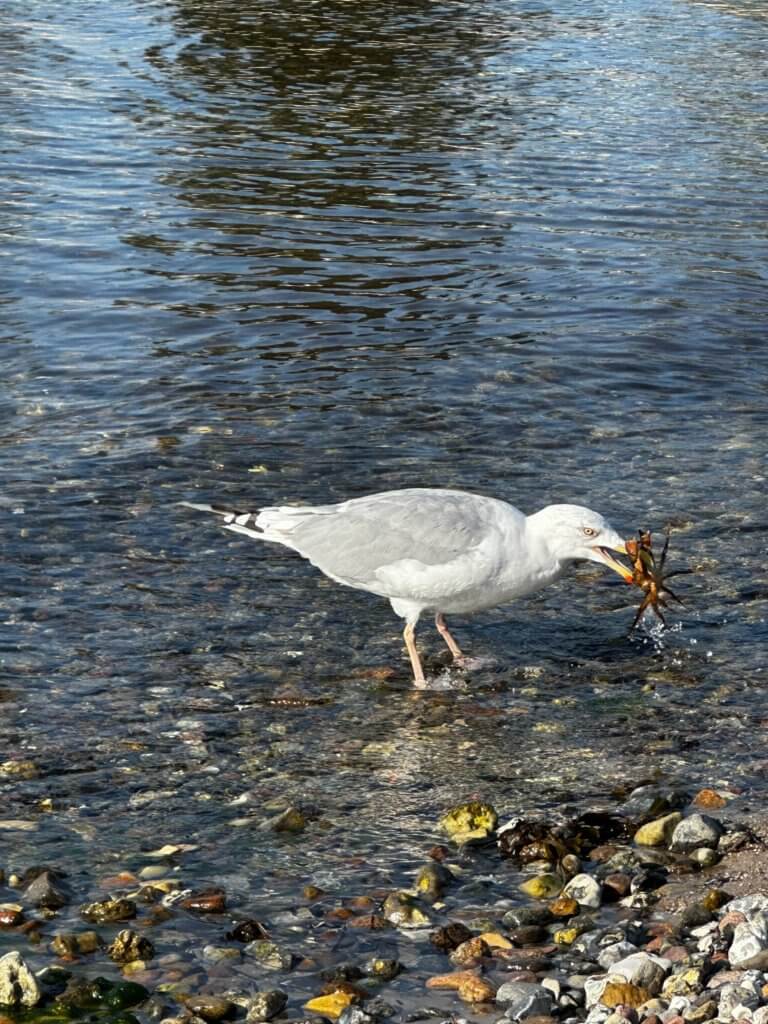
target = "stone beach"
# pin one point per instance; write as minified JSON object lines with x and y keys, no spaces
{"x":637,"y":910}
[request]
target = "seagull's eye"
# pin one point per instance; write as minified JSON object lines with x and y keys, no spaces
{"x":589,"y":531}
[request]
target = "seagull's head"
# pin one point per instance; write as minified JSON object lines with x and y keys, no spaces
{"x":573,"y":534}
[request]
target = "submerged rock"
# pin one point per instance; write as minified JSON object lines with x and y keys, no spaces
{"x":270,"y":955}
{"x":265,"y":1005}
{"x":108,"y":911}
{"x":470,"y":822}
{"x":128,"y":946}
{"x":432,"y":880}
{"x":18,"y":985}
{"x":46,"y":891}
{"x":403,"y":911}
{"x":209,"y":1007}
{"x":450,"y":936}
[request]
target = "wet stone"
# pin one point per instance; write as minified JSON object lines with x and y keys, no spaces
{"x":210,"y":1008}
{"x":401,"y":910}
{"x":128,"y":946}
{"x":265,"y":1005}
{"x":11,"y":915}
{"x":291,"y":820}
{"x":208,"y":901}
{"x":432,"y":880}
{"x":470,"y":822}
{"x":270,"y":955}
{"x":18,"y":985}
{"x":697,"y":830}
{"x":469,"y":953}
{"x":108,"y":911}
{"x":658,"y":832}
{"x":247,"y":931}
{"x":470,"y":986}
{"x":523,"y":999}
{"x":533,"y":915}
{"x":73,"y":944}
{"x":382,"y":968}
{"x":46,"y":891}
{"x":585,"y":889}
{"x":450,"y":936}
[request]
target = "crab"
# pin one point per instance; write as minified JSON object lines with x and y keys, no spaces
{"x":649,"y":575}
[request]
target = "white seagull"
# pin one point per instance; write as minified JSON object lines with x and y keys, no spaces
{"x":441,"y":551}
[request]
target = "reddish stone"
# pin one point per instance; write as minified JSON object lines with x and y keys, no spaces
{"x":10,"y":917}
{"x":440,"y":853}
{"x":709,"y":798}
{"x":616,"y":886}
{"x":208,"y":901}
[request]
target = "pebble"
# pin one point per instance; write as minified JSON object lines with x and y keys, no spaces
{"x":523,"y":999}
{"x":542,"y":887}
{"x":46,"y":891}
{"x":469,"y":822}
{"x":208,"y":1007}
{"x":265,"y":1005}
{"x":270,"y":955}
{"x":18,"y":985}
{"x":108,"y":911}
{"x":208,"y":901}
{"x":659,"y":831}
{"x":128,"y":946}
{"x":471,"y":987}
{"x":694,"y":831}
{"x":585,"y":889}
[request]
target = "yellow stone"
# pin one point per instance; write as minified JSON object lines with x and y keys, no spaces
{"x":658,"y":832}
{"x":565,"y":936}
{"x":473,"y":820}
{"x":542,"y":887}
{"x":330,"y":1005}
{"x":617,"y":993}
{"x":495,"y":940}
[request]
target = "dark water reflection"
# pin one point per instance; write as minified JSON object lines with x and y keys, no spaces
{"x":261,"y":253}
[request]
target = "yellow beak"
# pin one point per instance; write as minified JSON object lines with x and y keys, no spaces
{"x":604,"y":555}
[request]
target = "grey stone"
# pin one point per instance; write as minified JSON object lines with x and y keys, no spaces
{"x":524,"y":999}
{"x":644,"y":970}
{"x":614,"y":953}
{"x":18,"y":985}
{"x":46,"y":892}
{"x":750,"y":938}
{"x":694,"y":831}
{"x":748,"y":904}
{"x":585,"y":889}
{"x":266,"y":1005}
{"x":355,"y":1015}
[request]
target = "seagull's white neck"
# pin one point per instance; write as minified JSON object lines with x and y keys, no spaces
{"x":538,"y":534}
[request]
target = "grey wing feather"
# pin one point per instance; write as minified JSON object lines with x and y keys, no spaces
{"x":359,"y":538}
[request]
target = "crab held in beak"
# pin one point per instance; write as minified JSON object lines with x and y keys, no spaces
{"x":603,"y":554}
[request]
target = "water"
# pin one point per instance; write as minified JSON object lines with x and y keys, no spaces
{"x":259,"y":254}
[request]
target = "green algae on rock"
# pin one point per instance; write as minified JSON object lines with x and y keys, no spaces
{"x":470,"y":822}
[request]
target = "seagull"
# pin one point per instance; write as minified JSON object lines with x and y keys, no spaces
{"x":441,"y":551}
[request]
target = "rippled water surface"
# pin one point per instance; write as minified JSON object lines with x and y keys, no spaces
{"x":259,"y":253}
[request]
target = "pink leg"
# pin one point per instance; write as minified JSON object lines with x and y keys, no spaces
{"x":410,"y":642}
{"x":442,"y":629}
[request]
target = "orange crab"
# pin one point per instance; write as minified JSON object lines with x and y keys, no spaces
{"x":649,"y":575}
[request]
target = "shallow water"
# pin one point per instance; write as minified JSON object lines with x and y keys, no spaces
{"x":257,"y":255}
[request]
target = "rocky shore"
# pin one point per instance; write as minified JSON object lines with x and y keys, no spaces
{"x":649,"y":909}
